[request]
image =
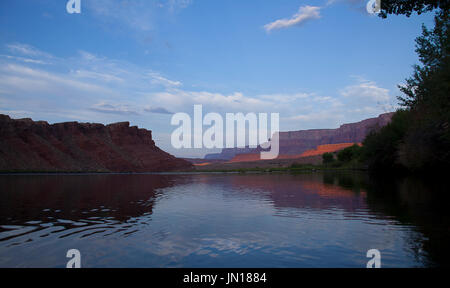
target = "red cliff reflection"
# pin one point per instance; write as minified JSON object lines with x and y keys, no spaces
{"x":298,"y":191}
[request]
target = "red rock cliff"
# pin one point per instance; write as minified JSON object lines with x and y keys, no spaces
{"x":297,"y":142}
{"x":26,"y":145}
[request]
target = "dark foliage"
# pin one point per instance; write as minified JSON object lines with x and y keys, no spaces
{"x":328,"y":158}
{"x":418,"y":138}
{"x":349,"y":154}
{"x":381,"y":147}
{"x":407,"y":7}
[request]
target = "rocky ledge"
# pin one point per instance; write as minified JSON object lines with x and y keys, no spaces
{"x":26,"y":145}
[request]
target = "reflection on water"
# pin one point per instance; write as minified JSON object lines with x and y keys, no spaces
{"x":216,"y":220}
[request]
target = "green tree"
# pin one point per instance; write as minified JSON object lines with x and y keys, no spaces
{"x":427,"y":96}
{"x":428,"y":88}
{"x":327,"y":158}
{"x":381,"y":147}
{"x":349,"y":154}
{"x":418,"y":136}
{"x":407,"y":7}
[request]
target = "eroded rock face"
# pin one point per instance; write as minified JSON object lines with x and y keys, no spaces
{"x":26,"y":145}
{"x":298,"y":142}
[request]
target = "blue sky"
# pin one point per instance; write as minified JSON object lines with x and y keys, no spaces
{"x":318,"y":63}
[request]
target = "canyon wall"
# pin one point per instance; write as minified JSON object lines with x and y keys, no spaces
{"x":26,"y":145}
{"x":298,"y":142}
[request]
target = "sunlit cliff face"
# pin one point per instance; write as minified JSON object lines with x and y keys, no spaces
{"x":321,"y":149}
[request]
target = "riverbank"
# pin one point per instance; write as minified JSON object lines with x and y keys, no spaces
{"x":293,"y":167}
{"x":303,"y":168}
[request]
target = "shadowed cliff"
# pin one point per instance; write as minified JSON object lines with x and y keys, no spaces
{"x":26,"y":145}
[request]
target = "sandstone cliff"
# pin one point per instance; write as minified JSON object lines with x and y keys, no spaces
{"x":26,"y":145}
{"x":298,"y":142}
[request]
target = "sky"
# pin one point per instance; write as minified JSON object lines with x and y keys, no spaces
{"x":319,"y":64}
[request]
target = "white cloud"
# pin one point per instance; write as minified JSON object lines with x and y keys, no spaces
{"x":366,"y":90}
{"x":26,"y":79}
{"x":304,"y":14}
{"x":361,"y":100}
{"x":87,"y":82}
{"x":324,"y":119}
{"x":105,"y":107}
{"x":96,"y":76}
{"x":86,"y":56}
{"x":317,"y":116}
{"x":27,"y":54}
{"x":157,"y":110}
{"x":27,"y":50}
{"x":25,"y":60}
{"x":286,"y":98}
{"x":157,"y":79}
{"x":183,"y":101}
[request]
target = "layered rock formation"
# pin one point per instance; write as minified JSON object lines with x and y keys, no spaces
{"x":26,"y":145}
{"x":298,"y":142}
{"x":319,"y":150}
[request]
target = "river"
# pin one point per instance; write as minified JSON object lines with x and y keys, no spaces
{"x":222,"y":220}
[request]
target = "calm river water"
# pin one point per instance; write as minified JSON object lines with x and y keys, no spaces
{"x":221,"y":220}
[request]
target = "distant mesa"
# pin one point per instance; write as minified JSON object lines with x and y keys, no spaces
{"x":304,"y":143}
{"x":29,"y":146}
